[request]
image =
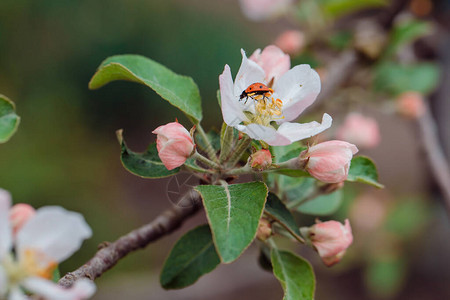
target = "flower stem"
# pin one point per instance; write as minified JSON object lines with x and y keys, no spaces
{"x":239,"y":171}
{"x":226,"y":142}
{"x":296,"y":236}
{"x":198,"y":169}
{"x":240,"y":149}
{"x":209,"y":148}
{"x":205,"y":160}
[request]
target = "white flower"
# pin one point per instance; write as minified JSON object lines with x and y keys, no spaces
{"x":259,"y":10}
{"x":268,"y":119}
{"x":48,"y":238}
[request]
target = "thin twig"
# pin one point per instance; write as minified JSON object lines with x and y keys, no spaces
{"x":139,"y":238}
{"x":435,"y":156}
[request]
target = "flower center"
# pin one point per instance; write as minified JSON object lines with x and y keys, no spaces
{"x":267,"y":109}
{"x":32,"y":263}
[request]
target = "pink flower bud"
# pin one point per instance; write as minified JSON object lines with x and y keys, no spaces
{"x":291,"y":41}
{"x":273,"y":61}
{"x":19,"y":214}
{"x":174,"y":144}
{"x":261,"y":159}
{"x":331,"y":239}
{"x":411,"y":105}
{"x":360,"y":130}
{"x":329,"y":161}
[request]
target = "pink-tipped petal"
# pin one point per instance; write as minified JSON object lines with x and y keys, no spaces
{"x":19,"y":214}
{"x":249,"y":73}
{"x":298,"y":88}
{"x":273,"y":61}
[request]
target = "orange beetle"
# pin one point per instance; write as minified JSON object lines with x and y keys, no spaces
{"x":254,"y":89}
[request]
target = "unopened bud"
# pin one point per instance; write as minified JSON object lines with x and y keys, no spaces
{"x":331,"y":239}
{"x":264,"y":230}
{"x":19,"y":214}
{"x":261,"y":160}
{"x":329,"y":161}
{"x":411,"y":105}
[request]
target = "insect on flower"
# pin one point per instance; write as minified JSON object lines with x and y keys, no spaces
{"x":254,"y":90}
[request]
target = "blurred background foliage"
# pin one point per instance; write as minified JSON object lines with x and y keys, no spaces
{"x":65,"y":151}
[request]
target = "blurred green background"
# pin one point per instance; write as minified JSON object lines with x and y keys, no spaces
{"x":65,"y":151}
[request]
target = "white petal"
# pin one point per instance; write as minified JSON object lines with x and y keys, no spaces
{"x":231,"y":110}
{"x":81,"y":289}
{"x":5,"y":227}
{"x":249,"y":73}
{"x":16,"y":294}
{"x":297,"y":88}
{"x":296,"y":132}
{"x":54,"y":231}
{"x":267,"y":134}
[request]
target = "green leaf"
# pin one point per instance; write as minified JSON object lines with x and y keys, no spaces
{"x":233,"y":213}
{"x":362,"y":169}
{"x":192,"y":256}
{"x":395,"y":79}
{"x":278,"y":211}
{"x":323,"y":205}
{"x":405,"y":33}
{"x":408,"y":218}
{"x":385,"y":276}
{"x":147,"y":164}
{"x":180,"y":91}
{"x":295,"y":275}
{"x":9,"y":121}
{"x":337,"y":8}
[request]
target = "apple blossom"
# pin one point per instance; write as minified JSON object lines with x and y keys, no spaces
{"x":269,"y":120}
{"x":360,"y":130}
{"x":19,"y":214}
{"x":49,"y":237}
{"x":329,"y":161}
{"x":291,"y":41}
{"x":174,"y":144}
{"x":331,"y":239}
{"x":258,"y":10}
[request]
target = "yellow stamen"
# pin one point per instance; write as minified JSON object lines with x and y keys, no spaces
{"x":38,"y":264}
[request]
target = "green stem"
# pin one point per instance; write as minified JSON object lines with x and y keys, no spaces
{"x":198,"y":169}
{"x":209,"y":148}
{"x":239,"y":151}
{"x":226,"y":142}
{"x":296,"y":236}
{"x":239,"y":171}
{"x":204,"y":160}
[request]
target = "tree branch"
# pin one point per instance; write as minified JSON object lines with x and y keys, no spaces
{"x":435,"y":156}
{"x":108,"y":256}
